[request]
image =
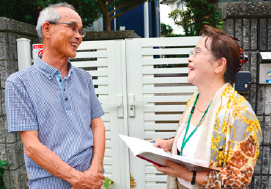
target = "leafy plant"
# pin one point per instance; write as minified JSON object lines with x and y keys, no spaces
{"x":166,"y":30}
{"x":28,"y":10}
{"x":132,"y":182}
{"x":107,"y":182}
{"x":197,"y":14}
{"x":2,"y":164}
{"x":89,"y":10}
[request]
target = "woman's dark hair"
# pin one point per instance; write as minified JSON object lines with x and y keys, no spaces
{"x":225,"y":46}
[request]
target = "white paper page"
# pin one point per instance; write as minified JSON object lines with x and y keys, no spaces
{"x":188,"y":159}
{"x":145,"y":148}
{"x":138,"y":146}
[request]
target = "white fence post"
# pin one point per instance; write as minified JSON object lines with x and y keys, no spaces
{"x":146,"y":20}
{"x":24,"y":53}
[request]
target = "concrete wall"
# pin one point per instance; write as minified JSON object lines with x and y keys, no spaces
{"x":250,"y":22}
{"x":11,"y":147}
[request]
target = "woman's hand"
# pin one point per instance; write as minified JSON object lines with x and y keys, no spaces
{"x":161,"y":143}
{"x":175,"y":170}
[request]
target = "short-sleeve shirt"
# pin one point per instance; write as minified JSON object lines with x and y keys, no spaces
{"x":60,"y":110}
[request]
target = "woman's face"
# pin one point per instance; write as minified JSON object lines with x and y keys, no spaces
{"x":201,"y":65}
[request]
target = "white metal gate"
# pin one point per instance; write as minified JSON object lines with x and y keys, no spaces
{"x":142,"y":86}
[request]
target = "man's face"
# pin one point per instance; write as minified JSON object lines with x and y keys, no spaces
{"x":64,"y":39}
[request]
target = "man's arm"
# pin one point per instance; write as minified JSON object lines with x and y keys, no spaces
{"x":99,"y":145}
{"x":50,"y":162}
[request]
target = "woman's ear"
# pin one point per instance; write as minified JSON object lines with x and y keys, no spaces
{"x":221,"y":65}
{"x":46,"y":30}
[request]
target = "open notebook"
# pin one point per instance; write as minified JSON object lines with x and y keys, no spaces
{"x":145,"y":150}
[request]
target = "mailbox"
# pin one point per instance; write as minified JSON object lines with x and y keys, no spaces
{"x":265,"y":68}
{"x":243,"y":82}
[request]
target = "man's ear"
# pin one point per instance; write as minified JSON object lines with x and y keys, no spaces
{"x":221,"y":65}
{"x":46,"y":30}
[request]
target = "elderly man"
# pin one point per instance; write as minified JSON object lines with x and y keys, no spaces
{"x":54,"y":107}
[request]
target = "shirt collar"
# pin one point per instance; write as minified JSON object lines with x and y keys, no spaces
{"x":50,"y":71}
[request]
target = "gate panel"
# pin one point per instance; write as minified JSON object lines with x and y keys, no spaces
{"x":158,"y":90}
{"x":142,"y":86}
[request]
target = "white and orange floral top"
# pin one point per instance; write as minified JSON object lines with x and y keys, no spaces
{"x":229,"y":141}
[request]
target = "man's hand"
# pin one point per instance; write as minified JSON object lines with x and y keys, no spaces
{"x":90,"y":179}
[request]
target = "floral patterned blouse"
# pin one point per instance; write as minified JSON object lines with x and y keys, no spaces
{"x":235,"y":139}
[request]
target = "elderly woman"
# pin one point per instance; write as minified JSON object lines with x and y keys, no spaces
{"x":218,"y":125}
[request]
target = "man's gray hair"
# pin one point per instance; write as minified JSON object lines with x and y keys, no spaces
{"x":50,"y":13}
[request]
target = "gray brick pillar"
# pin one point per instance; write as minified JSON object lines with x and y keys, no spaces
{"x":11,"y":148}
{"x":250,"y":22}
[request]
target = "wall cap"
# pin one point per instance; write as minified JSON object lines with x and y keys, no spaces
{"x":14,"y":26}
{"x":246,"y":10}
{"x":108,"y":35}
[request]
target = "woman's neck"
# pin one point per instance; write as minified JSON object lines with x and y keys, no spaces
{"x":207,"y":93}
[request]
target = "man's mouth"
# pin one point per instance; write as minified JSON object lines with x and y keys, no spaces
{"x":74,"y":44}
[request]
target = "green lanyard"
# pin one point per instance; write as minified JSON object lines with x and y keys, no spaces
{"x":188,"y":124}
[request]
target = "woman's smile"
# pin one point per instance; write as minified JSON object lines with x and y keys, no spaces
{"x":190,"y":69}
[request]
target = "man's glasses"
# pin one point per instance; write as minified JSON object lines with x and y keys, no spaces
{"x":73,"y":26}
{"x":196,"y":49}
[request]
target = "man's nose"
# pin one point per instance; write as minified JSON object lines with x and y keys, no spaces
{"x":77,"y":34}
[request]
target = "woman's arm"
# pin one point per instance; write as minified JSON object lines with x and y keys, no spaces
{"x":175,"y":170}
{"x":240,"y":166}
{"x":236,"y":174}
{"x":243,"y":135}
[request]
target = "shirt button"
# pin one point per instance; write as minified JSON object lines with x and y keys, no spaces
{"x":66,"y":99}
{"x":60,"y":80}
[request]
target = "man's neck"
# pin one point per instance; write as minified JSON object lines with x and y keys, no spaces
{"x":57,"y":62}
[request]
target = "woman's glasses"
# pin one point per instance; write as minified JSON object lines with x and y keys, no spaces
{"x":194,"y":51}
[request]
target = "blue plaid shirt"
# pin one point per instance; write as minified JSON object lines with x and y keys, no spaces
{"x":37,"y":98}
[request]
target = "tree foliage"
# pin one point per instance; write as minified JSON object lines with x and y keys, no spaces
{"x":28,"y":10}
{"x":197,"y":14}
{"x":166,"y":30}
{"x":89,"y":10}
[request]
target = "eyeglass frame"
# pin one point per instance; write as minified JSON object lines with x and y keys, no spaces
{"x":194,"y":51}
{"x":72,"y":25}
